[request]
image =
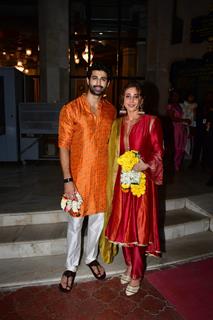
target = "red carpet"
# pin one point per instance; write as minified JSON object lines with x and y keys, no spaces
{"x":188,"y":287}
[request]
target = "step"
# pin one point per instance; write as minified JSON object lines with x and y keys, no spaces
{"x":183,"y":222}
{"x":54,"y":216}
{"x":50,"y":239}
{"x":33,"y":240}
{"x":47,"y":270}
{"x":37,"y":217}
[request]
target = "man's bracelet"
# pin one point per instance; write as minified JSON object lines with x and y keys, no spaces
{"x":67,"y":180}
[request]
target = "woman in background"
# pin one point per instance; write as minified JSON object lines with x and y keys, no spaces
{"x":189,"y":107}
{"x":175,"y":112}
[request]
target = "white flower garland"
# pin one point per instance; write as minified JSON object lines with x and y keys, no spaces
{"x":130,"y":177}
{"x":72,"y":206}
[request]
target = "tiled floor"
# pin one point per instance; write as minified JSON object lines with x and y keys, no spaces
{"x":92,"y":300}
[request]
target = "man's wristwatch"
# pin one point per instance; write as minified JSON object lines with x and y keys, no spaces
{"x":67,"y":180}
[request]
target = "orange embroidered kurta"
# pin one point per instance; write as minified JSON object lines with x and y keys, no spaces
{"x":86,"y":135}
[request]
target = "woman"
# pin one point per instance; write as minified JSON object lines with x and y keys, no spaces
{"x":189,"y":107}
{"x":180,"y":124}
{"x":132,"y":220}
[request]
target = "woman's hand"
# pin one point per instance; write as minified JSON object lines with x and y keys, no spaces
{"x":140,"y":166}
{"x":187,"y":121}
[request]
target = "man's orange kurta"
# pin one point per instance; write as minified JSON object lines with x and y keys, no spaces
{"x":86,"y":135}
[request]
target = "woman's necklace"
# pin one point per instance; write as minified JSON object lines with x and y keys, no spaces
{"x":129,"y":123}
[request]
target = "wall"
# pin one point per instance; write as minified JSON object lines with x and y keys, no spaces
{"x":160,"y":52}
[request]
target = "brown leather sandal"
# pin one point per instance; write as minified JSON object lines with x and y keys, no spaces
{"x":98,"y":275}
{"x":68,"y":274}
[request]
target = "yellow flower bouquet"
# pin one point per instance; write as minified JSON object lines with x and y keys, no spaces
{"x":131,"y":180}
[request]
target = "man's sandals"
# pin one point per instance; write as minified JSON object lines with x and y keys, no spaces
{"x":68,"y":274}
{"x":96,"y":269}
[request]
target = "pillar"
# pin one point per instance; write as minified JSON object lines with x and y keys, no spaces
{"x":129,"y":62}
{"x":54,"y":44}
{"x":158,"y":45}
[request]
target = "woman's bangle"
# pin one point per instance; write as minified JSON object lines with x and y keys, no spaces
{"x":67,"y":180}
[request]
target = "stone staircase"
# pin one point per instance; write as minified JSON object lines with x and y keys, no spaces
{"x":33,"y":244}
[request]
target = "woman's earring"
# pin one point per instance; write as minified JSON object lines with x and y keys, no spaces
{"x":140,"y":109}
{"x":122,"y":110}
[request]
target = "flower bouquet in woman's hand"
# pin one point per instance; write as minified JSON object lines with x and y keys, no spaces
{"x":131,"y":179}
{"x":72,"y":206}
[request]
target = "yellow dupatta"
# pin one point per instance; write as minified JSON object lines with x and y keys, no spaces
{"x":108,"y":249}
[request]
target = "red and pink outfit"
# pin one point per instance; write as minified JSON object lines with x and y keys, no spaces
{"x":180,"y":133}
{"x":133,"y":222}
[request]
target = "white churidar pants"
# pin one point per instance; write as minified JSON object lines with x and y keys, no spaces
{"x":94,"y":229}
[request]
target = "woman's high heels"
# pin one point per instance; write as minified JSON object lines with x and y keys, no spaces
{"x":125,"y":279}
{"x":130,"y":290}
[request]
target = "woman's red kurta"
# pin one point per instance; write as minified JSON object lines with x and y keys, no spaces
{"x":134,"y":220}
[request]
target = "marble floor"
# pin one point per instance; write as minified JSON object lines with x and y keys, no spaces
{"x":37,"y":186}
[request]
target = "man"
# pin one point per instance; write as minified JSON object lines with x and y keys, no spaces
{"x":84,"y":129}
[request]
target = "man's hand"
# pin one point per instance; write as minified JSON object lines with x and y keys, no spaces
{"x":70,"y":190}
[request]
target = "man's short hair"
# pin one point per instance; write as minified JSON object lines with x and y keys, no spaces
{"x":100,"y":67}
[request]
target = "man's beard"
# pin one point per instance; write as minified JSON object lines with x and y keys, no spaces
{"x":93,"y":90}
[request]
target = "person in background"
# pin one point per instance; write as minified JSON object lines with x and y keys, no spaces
{"x":84,"y":130}
{"x":132,"y":215}
{"x":175,"y":112}
{"x":198,"y":152}
{"x":189,"y":107}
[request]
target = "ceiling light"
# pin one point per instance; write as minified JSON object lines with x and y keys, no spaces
{"x":28,"y":52}
{"x":19,"y":63}
{"x":19,"y":68}
{"x":85,"y":54}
